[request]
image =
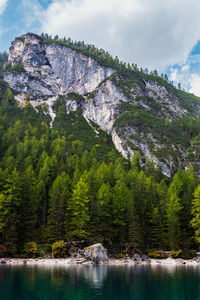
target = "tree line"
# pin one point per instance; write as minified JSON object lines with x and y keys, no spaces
{"x":52,"y":187}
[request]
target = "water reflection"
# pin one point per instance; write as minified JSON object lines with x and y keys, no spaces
{"x":100,"y":282}
{"x":95,"y":275}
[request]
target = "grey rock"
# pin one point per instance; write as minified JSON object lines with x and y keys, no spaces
{"x":3,"y":261}
{"x":145,"y":257}
{"x":180,"y":261}
{"x":137,"y":257}
{"x":53,"y":69}
{"x":95,"y":253}
{"x":197,"y":259}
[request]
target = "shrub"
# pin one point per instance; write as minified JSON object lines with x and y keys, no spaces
{"x":15,"y":68}
{"x":157,"y":254}
{"x":3,"y":251}
{"x":75,"y":96}
{"x":59,"y":249}
{"x":188,"y":254}
{"x":119,"y":256}
{"x":31,"y":249}
{"x":176,"y":254}
{"x":44,"y":250}
{"x":184,"y":254}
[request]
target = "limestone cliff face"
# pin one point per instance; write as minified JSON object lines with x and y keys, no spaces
{"x":53,"y":70}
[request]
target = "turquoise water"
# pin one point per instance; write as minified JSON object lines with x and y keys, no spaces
{"x":99,"y":282}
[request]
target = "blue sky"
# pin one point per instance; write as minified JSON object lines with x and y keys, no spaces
{"x":151,"y":33}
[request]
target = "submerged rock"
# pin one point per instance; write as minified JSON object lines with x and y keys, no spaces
{"x":95,"y":253}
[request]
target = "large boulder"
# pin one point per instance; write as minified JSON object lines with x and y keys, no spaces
{"x":95,"y":253}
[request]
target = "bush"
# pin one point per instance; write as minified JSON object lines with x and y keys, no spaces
{"x":176,"y":254}
{"x":119,"y":256}
{"x":184,"y":254}
{"x":157,"y":254}
{"x":3,"y":251}
{"x":44,"y":250}
{"x":75,"y":96}
{"x":15,"y":68}
{"x":59,"y":249}
{"x":31,"y":249}
{"x":188,"y":254}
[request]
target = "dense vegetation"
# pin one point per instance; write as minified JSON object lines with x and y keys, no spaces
{"x":67,"y":183}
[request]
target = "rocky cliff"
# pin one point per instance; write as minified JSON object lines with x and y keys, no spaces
{"x":138,"y":110}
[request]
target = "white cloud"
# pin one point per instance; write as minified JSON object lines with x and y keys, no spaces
{"x":185,"y":68}
{"x":32,"y":12}
{"x":187,"y":74}
{"x":174,"y":74}
{"x":195,"y":84}
{"x":151,"y":33}
{"x":3,"y":4}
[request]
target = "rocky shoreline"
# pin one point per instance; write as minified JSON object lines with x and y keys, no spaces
{"x":111,"y":261}
{"x":97,"y":254}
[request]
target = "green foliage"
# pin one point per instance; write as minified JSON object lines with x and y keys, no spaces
{"x":159,"y":254}
{"x":195,"y":222}
{"x":75,"y":96}
{"x":59,"y":194}
{"x":173,"y":208}
{"x":176,"y":254}
{"x":44,"y":250}
{"x":20,"y":38}
{"x":31,"y":249}
{"x":65,"y":182}
{"x":119,"y":256}
{"x":78,"y":212}
{"x":59,"y":249}
{"x":188,"y":254}
{"x":15,"y":68}
{"x":184,"y":254}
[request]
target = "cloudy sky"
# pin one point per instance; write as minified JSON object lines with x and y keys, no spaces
{"x":151,"y":33}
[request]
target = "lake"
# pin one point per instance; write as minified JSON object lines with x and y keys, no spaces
{"x":99,"y":282}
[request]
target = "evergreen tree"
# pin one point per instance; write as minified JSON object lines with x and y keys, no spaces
{"x":77,"y":216}
{"x":10,"y":212}
{"x":195,"y":222}
{"x":59,"y":194}
{"x":173,"y":209}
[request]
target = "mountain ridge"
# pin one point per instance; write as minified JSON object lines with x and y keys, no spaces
{"x":141,"y":112}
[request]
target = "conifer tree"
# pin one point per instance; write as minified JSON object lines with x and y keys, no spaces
{"x":77,"y":216}
{"x":195,"y":222}
{"x":59,"y":194}
{"x":173,"y":209}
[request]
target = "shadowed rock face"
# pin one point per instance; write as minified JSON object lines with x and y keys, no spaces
{"x":52,"y":70}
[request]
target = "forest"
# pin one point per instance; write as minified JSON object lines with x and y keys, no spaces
{"x":62,"y":182}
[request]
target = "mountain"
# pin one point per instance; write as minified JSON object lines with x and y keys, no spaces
{"x":65,"y":108}
{"x":141,"y":112}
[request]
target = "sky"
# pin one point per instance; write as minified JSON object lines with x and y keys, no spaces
{"x":162,"y":35}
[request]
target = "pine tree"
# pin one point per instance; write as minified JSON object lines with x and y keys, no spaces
{"x":10,"y":211}
{"x":77,"y":216}
{"x":59,"y":194}
{"x":173,"y":209}
{"x":104,"y":226}
{"x":195,"y":222}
